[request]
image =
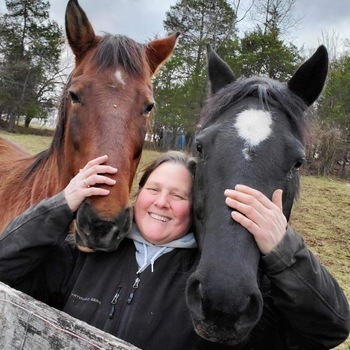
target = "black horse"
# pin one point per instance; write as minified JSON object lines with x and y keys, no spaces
{"x":252,"y":133}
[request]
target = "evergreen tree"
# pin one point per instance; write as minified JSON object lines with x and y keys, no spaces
{"x":181,"y":86}
{"x":263,"y":53}
{"x":30,"y":55}
{"x":263,"y":50}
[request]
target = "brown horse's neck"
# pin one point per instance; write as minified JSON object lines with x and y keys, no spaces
{"x":46,"y":180}
{"x":26,"y":186}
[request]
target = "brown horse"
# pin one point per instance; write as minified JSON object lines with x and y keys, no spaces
{"x":105,"y":109}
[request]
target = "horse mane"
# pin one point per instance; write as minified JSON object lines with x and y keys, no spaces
{"x":112,"y":51}
{"x":269,"y":93}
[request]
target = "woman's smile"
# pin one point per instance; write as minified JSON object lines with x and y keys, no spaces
{"x":159,"y":217}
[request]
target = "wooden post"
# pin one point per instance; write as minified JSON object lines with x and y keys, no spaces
{"x":28,"y":324}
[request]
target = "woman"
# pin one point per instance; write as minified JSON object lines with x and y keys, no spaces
{"x":137,"y":292}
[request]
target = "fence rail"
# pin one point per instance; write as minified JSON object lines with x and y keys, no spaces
{"x":27,"y":324}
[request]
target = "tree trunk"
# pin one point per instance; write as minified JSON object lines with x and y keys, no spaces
{"x":27,"y":121}
{"x":11,"y":124}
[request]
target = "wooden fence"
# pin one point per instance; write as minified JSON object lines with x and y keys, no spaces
{"x":27,"y":324}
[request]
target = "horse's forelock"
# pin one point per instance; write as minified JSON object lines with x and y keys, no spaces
{"x":115,"y":50}
{"x":268,"y":92}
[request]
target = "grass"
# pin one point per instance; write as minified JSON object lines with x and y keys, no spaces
{"x":321,"y":215}
{"x":32,"y":143}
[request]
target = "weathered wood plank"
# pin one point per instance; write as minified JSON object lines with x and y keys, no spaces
{"x":27,"y":324}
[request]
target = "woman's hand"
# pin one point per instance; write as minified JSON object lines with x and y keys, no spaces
{"x":263,"y":218}
{"x":82,"y":185}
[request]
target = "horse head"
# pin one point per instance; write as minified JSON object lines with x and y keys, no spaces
{"x":105,"y":110}
{"x":108,"y":102}
{"x":252,"y":134}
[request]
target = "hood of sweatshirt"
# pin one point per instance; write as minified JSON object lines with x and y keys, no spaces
{"x":147,"y":253}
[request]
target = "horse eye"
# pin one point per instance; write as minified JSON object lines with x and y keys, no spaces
{"x":298,"y":164}
{"x":149,"y":108}
{"x":199,"y":148}
{"x":74,"y":97}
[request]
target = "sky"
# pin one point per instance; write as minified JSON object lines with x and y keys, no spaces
{"x":143,"y":19}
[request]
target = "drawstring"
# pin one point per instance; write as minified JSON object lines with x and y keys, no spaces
{"x":160,"y":252}
{"x":144,"y":265}
{"x":152,"y":260}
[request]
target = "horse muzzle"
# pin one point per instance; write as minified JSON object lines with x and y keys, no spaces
{"x":96,"y":234}
{"x":223,"y":316}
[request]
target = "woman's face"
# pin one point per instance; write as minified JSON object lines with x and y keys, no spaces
{"x":162,"y":210}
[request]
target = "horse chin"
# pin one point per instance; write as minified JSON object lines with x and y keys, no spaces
{"x":223,"y":329}
{"x":95,"y":234}
{"x":220,"y":334}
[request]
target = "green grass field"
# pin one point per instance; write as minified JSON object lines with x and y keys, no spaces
{"x":321,"y":214}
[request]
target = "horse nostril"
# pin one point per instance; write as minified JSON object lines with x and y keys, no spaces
{"x":195,"y":295}
{"x":252,"y":309}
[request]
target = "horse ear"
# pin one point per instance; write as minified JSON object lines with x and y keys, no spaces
{"x":309,"y":79}
{"x":80,"y":33}
{"x":220,"y":74}
{"x":159,"y":51}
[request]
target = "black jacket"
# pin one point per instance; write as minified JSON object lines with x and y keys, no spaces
{"x":304,"y":306}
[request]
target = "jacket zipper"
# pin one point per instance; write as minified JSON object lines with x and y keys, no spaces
{"x":133,"y":291}
{"x":125,"y":314}
{"x":113,"y":302}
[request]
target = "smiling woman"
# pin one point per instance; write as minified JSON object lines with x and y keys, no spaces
{"x":162,"y":210}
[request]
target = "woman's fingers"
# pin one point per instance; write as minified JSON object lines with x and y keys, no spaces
{"x":277,"y":199}
{"x":98,"y":169}
{"x":91,"y":173}
{"x":259,"y":215}
{"x":84,"y":184}
{"x":246,"y":205}
{"x":247,"y":193}
{"x":95,"y":161}
{"x":97,"y":166}
{"x":97,"y":179}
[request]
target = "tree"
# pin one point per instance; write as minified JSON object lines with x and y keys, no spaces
{"x":334,"y":110}
{"x":30,"y":55}
{"x":263,"y":53}
{"x":275,"y":16}
{"x":181,"y":86}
